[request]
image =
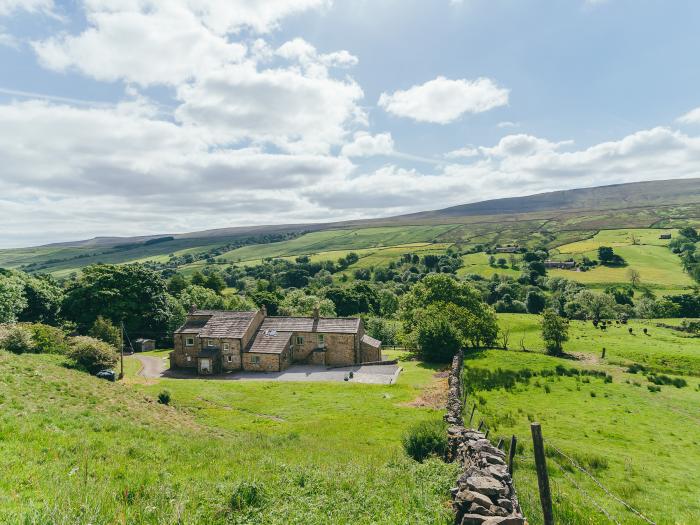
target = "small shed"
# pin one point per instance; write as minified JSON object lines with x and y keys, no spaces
{"x":144,"y":345}
{"x":665,"y":236}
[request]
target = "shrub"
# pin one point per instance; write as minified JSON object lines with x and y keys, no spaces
{"x":426,"y":439}
{"x":48,"y":339}
{"x":104,"y":330}
{"x":18,"y":340}
{"x":92,"y":354}
{"x":247,"y":494}
{"x":654,"y":388}
{"x":164,"y":397}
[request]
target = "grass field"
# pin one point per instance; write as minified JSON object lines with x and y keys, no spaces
{"x":75,"y":449}
{"x":664,"y":349}
{"x":659,"y":268}
{"x":641,"y":445}
{"x":478,"y":263}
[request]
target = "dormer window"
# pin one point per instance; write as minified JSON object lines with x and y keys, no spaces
{"x":210,"y":343}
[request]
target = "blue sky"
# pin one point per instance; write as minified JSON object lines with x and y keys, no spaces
{"x":124,"y":117}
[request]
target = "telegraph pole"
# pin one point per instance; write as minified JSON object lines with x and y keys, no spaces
{"x":121,"y":348}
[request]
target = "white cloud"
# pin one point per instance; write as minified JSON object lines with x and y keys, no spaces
{"x":508,"y":124}
{"x":443,"y":100}
{"x":522,"y":145}
{"x":367,"y":145}
{"x":658,"y":153}
{"x":692,"y":117}
{"x":284,"y":107}
{"x":462,"y":153}
{"x":115,"y":170}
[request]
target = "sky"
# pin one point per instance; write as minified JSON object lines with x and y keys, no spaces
{"x":136,"y":117}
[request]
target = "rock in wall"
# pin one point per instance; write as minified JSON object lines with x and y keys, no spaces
{"x":484,"y":494}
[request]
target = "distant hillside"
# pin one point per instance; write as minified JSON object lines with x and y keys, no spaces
{"x":637,"y":194}
{"x":550,"y":219}
{"x":632,"y":195}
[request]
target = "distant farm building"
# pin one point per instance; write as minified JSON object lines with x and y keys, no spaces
{"x":563,"y":265}
{"x":508,"y":249}
{"x":215,"y":341}
{"x":144,"y":345}
{"x":665,"y":236}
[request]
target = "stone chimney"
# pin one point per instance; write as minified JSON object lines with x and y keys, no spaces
{"x":193,"y":308}
{"x":316,"y":313}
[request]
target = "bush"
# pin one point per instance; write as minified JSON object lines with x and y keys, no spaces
{"x":426,"y":439}
{"x":247,"y":494}
{"x":18,"y":340}
{"x":104,"y":330}
{"x":48,"y":339}
{"x":92,"y":354}
{"x":164,"y":397}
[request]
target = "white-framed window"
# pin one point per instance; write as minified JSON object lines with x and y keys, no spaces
{"x":210,"y":342}
{"x":255,"y":359}
{"x":300,"y":340}
{"x":229,"y":358}
{"x":226,"y":347}
{"x":189,"y":341}
{"x":321,"y":338}
{"x":189,"y":358}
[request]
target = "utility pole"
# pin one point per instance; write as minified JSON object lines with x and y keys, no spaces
{"x":121,"y":348}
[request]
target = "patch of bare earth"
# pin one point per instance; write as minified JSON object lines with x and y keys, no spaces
{"x":434,"y":395}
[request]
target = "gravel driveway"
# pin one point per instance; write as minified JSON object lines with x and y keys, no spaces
{"x":156,"y":367}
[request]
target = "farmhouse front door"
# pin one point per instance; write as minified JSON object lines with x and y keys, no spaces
{"x":205,"y":366}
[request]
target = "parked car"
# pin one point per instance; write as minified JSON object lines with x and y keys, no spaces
{"x":109,"y":375}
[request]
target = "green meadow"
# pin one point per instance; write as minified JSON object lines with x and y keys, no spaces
{"x":637,"y":443}
{"x":77,"y":449}
{"x":643,"y":251}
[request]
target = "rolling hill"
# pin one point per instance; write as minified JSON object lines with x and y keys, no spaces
{"x":551,"y":219}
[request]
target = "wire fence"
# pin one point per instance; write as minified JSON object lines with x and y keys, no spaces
{"x":473,"y":414}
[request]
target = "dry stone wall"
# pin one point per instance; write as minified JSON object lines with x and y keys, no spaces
{"x":484,"y":494}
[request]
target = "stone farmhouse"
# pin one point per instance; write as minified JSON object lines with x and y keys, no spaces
{"x":215,"y":341}
{"x":564,"y":265}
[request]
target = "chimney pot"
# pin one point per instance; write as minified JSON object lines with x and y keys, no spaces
{"x":193,"y":308}
{"x":263,"y":309}
{"x":316,"y":313}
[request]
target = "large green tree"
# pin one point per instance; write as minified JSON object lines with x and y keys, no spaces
{"x":555,"y":331}
{"x":454,"y":302}
{"x":130,"y":293}
{"x":12,"y":298}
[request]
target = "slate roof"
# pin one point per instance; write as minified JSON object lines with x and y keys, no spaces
{"x":371,"y":341}
{"x":219,"y":324}
{"x":269,"y":342}
{"x":335,"y":325}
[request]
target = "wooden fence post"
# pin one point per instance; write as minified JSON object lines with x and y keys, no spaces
{"x":542,"y":476}
{"x":511,"y":453}
{"x":500,"y":444}
{"x":472,"y":415}
{"x":486,"y":436}
{"x":481,"y":424}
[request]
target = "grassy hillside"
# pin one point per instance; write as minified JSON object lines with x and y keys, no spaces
{"x":642,"y":251}
{"x":552,"y":219}
{"x":663,"y":349}
{"x":76,"y":449}
{"x":641,"y":445}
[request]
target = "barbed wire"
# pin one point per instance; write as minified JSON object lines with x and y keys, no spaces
{"x":608,"y":492}
{"x":583,"y":491}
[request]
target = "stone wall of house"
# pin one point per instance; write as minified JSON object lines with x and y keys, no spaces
{"x":181,"y":352}
{"x":370,"y":354}
{"x":340,"y":348}
{"x":484,"y":494}
{"x":267,"y":362}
